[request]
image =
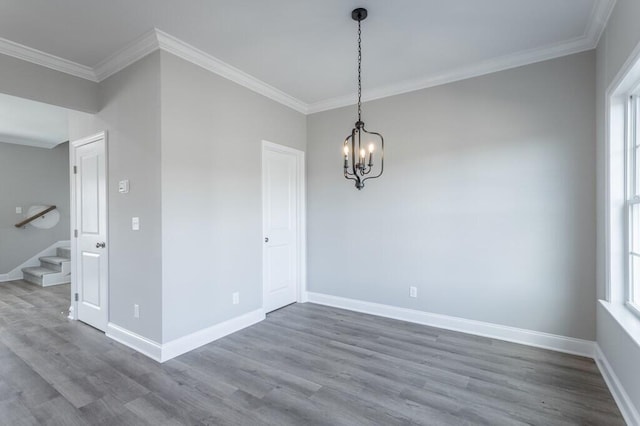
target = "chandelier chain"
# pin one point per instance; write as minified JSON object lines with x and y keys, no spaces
{"x":359,"y":72}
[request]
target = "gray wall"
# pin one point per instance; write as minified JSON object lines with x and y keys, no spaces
{"x":31,"y":176}
{"x":31,"y":81}
{"x":619,"y":39}
{"x":130,"y":112}
{"x":190,"y":144}
{"x":211,"y":193}
{"x":487,"y":204}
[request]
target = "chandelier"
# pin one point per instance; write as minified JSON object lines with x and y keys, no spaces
{"x":360,"y":142}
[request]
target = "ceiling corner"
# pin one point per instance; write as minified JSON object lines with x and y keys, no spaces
{"x":600,"y":14}
{"x":134,"y":51}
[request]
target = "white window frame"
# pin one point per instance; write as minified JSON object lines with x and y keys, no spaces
{"x":632,"y":191}
{"x":616,"y":166}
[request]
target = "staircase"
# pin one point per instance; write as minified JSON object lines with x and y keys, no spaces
{"x":53,"y":270}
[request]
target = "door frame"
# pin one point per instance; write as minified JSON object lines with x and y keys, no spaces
{"x":73,"y":146}
{"x":301,"y":210}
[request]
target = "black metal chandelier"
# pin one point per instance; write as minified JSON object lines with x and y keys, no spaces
{"x":356,"y":167}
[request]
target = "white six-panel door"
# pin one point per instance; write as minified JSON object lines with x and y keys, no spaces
{"x":281,"y":222}
{"x":91,"y":251}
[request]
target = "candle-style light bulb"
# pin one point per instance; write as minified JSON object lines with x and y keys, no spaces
{"x":371,"y":148}
{"x":362,"y":153}
{"x":346,"y":157}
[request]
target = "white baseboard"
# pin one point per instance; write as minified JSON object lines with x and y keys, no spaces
{"x":135,"y":341}
{"x":164,"y":352}
{"x":625,"y":404}
{"x":495,"y":331}
{"x":194,"y":340}
{"x":16,"y":273}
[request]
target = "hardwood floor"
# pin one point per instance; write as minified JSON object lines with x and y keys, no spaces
{"x":304,"y":365}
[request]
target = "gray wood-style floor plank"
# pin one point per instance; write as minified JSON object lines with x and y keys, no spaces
{"x":304,"y":365}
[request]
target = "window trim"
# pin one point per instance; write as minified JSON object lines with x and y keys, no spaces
{"x":632,"y":193}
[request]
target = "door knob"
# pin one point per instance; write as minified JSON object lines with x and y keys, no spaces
{"x":266,"y":239}
{"x":101,"y":245}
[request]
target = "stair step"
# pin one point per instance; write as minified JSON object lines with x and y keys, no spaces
{"x":64,"y":252}
{"x":54,"y":260}
{"x":39,"y":271}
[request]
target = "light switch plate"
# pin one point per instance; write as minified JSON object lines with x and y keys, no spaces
{"x":123,"y":186}
{"x":135,"y":223}
{"x":18,"y":210}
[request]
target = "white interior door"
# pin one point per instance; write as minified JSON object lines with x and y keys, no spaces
{"x":91,"y":252}
{"x":281,"y":254}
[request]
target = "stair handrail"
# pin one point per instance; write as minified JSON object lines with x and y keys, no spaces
{"x":34,"y":217}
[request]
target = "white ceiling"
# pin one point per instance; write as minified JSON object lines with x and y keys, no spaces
{"x":307,"y":48}
{"x":31,"y":123}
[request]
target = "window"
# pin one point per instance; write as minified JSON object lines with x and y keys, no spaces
{"x":633,"y":202}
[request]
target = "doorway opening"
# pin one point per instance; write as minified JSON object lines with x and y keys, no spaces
{"x":34,"y":201}
{"x":38,"y":216}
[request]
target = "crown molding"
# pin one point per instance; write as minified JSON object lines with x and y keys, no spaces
{"x":483,"y":68}
{"x":157,"y":39}
{"x":196,"y":56}
{"x":463,"y":73}
{"x":589,"y":40}
{"x":134,"y":51}
{"x":141,"y":47}
{"x":26,"y":53}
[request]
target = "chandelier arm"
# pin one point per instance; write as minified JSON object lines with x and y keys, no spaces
{"x":360,"y":151}
{"x":381,"y":155}
{"x":346,"y":165}
{"x":348,"y":173}
{"x":372,"y":177}
{"x":353,"y":153}
{"x":366,"y":170}
{"x":351,"y":175}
